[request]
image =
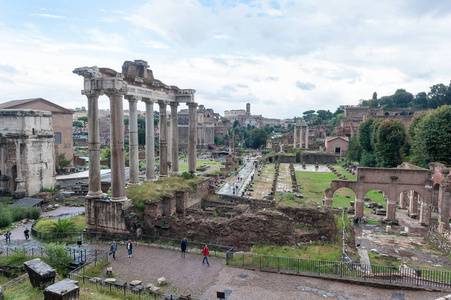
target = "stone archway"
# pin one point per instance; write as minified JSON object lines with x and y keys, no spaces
{"x":392,"y":182}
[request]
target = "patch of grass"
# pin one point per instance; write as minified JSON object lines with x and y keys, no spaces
{"x":373,"y":222}
{"x":23,"y":290}
{"x":328,"y":251}
{"x":382,"y":260}
{"x":45,"y":225}
{"x":92,"y":270}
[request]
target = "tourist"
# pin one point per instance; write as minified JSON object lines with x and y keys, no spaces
{"x":113,"y":249}
{"x":205,"y":252}
{"x":183,"y":244}
{"x":129,"y":248}
{"x":26,"y":233}
{"x":8,"y":237}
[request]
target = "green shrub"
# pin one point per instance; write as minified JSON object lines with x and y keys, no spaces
{"x":187,"y":176}
{"x":33,"y":213}
{"x":52,"y":190}
{"x":5,"y":218}
{"x":57,"y":257}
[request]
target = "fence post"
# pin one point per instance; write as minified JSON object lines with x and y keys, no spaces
{"x":278,"y":263}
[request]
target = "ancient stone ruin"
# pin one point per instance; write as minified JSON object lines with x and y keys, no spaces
{"x":65,"y":289}
{"x":41,"y":274}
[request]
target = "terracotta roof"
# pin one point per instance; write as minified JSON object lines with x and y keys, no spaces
{"x":331,"y":138}
{"x":23,"y":103}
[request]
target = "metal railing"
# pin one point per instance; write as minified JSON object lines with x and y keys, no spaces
{"x":95,"y":237}
{"x":76,"y":253}
{"x":350,"y":271}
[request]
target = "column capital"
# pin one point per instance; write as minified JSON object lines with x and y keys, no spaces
{"x":114,"y":92}
{"x":92,"y":93}
{"x":161,"y":102}
{"x":148,"y":100}
{"x":132,"y":98}
{"x":173,"y":104}
{"x":191,"y":104}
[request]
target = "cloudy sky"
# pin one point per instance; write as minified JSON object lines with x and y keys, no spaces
{"x":284,"y":57}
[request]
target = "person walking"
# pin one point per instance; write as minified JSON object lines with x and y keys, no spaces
{"x":129,"y":248}
{"x":8,"y":237}
{"x":183,"y":245}
{"x":113,"y":249}
{"x":26,"y":233}
{"x":205,"y":252}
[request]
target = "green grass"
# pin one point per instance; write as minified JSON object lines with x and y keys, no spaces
{"x":44,"y":225}
{"x":328,"y":251}
{"x":314,"y":184}
{"x":211,"y":166}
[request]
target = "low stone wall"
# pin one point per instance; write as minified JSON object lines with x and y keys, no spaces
{"x":269,"y":226}
{"x":438,"y":240}
{"x":319,"y":157}
{"x":287,"y":158}
{"x":253,"y":203}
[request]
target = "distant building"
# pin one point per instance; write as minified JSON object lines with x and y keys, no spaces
{"x":61,"y":122}
{"x":337,"y":145}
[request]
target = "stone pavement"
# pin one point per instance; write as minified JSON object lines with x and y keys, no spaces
{"x":189,"y":276}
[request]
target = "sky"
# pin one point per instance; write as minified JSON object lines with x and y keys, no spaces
{"x":283,"y":57}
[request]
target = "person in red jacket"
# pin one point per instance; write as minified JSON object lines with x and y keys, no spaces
{"x":205,"y":252}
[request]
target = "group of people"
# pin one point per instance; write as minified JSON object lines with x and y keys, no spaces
{"x":183,"y":246}
{"x":113,"y":249}
{"x":8,"y":235}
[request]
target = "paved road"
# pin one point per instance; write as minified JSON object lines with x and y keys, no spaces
{"x":245,"y":173}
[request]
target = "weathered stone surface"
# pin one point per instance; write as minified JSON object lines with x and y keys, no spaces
{"x":161,"y":281}
{"x":64,"y":290}
{"x":1,"y":293}
{"x":110,"y":280}
{"x":135,"y":282}
{"x":152,"y":288}
{"x":41,"y":274}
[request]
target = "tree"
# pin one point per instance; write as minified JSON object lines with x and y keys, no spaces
{"x":421,"y":100}
{"x":236,"y":124}
{"x":439,"y":95}
{"x":390,"y":137}
{"x":308,"y":114}
{"x":141,"y":136}
{"x":257,"y":138}
{"x":374,"y":96}
{"x":77,"y":124}
{"x":105,"y":154}
{"x":354,"y":151}
{"x":432,"y":136}
{"x":401,"y":98}
{"x":61,"y":161}
{"x":83,"y":119}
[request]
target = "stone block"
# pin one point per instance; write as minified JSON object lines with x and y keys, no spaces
{"x":135,"y":282}
{"x":110,"y":280}
{"x":1,"y":293}
{"x":41,"y":274}
{"x":161,"y":281}
{"x":109,"y":270}
{"x":152,"y":288}
{"x":64,"y":290}
{"x":95,"y":279}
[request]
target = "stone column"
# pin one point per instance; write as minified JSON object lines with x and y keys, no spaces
{"x":117,"y":145}
{"x":20,"y":188}
{"x":175,"y":139}
{"x":295,"y":136}
{"x":391,"y":211}
{"x":402,"y":200}
{"x":444,"y":197}
{"x":163,"y":140}
{"x":425,"y":213}
{"x":150,"y":141}
{"x":192,"y":131}
{"x":358,"y":206}
{"x":95,"y":183}
{"x":306,"y":137}
{"x":133,"y":141}
{"x":413,"y":207}
{"x":328,"y":201}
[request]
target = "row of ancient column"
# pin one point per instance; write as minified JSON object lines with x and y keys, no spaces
{"x":300,"y":140}
{"x":117,"y":142}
